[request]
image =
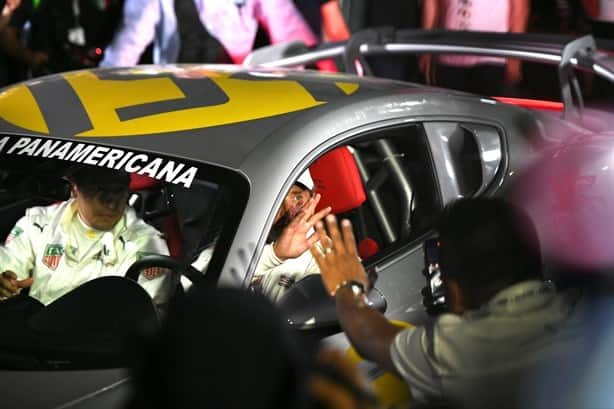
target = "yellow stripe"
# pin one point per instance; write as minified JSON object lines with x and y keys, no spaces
{"x":347,"y":87}
{"x":391,"y":390}
{"x":102,"y":97}
{"x":275,"y":97}
{"x":18,"y":107}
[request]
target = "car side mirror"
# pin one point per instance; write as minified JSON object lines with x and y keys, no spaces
{"x":306,"y":305}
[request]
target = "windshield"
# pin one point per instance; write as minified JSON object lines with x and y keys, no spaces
{"x":95,"y":250}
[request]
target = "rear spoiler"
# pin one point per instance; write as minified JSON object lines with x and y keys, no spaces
{"x":568,"y":53}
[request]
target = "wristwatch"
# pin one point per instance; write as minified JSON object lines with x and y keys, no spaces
{"x":356,"y":287}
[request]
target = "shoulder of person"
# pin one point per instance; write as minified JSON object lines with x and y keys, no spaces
{"x":45,"y":213}
{"x":446,"y":324}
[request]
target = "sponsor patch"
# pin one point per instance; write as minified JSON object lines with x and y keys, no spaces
{"x":151,"y":272}
{"x":13,"y":234}
{"x":52,"y":255}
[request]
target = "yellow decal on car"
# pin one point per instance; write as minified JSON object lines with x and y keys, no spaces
{"x":275,"y":97}
{"x":390,"y":390}
{"x":348,"y":87}
{"x":18,"y":106}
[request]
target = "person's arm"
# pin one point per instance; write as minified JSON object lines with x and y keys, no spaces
{"x":334,"y":25}
{"x":369,"y":331}
{"x":430,"y":20}
{"x":6,"y":11}
{"x":135,"y":33}
{"x":276,"y":281}
{"x":519,"y":15}
{"x":284,"y":23}
{"x":430,"y":14}
{"x":518,"y":19}
{"x":268,"y":261}
{"x":156,"y":280}
{"x":16,"y":259}
{"x":10,"y":43}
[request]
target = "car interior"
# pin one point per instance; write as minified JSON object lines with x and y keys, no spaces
{"x":59,"y":336}
{"x":384,"y":183}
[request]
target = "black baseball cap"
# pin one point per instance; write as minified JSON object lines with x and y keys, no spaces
{"x":94,"y":176}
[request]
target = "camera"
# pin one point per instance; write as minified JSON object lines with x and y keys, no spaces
{"x":434,"y":292}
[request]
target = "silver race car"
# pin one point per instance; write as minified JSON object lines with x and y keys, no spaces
{"x":213,"y":150}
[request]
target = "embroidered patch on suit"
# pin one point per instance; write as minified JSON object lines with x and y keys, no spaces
{"x":13,"y":234}
{"x":52,"y":255}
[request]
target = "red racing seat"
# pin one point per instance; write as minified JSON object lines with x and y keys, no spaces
{"x":337,"y":179}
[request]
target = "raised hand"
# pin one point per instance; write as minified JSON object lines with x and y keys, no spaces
{"x":294,"y":239}
{"x":10,"y":285}
{"x":339,"y":262}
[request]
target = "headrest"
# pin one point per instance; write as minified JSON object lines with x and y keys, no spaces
{"x":336,"y":177}
{"x":142,"y":182}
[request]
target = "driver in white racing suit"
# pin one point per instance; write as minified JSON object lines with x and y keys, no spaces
{"x":55,"y":249}
{"x":286,"y":260}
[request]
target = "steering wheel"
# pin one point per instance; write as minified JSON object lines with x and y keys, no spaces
{"x":159,"y":260}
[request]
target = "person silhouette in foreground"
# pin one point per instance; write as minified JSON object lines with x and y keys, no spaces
{"x":230,"y":348}
{"x":501,"y":320}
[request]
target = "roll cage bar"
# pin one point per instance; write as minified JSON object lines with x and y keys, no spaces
{"x":568,"y":53}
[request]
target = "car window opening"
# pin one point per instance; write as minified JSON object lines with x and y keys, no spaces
{"x":81,"y":328}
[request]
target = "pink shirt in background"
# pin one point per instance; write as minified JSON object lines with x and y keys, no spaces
{"x":475,"y":15}
{"x":233,"y":22}
{"x":606,"y":11}
{"x":236,"y":27}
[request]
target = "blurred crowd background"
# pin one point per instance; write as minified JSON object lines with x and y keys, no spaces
{"x":39,"y":37}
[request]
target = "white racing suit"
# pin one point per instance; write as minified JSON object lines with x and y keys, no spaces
{"x":276,"y":276}
{"x":53,"y":246}
{"x":273,"y":275}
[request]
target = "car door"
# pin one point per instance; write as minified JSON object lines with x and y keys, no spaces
{"x":456,"y":159}
{"x":408,"y":173}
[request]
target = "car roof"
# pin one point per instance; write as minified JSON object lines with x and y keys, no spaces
{"x":172,"y":109}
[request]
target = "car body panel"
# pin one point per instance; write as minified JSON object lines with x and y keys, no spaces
{"x":28,"y":389}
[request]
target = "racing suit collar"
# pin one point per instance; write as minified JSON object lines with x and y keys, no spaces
{"x":108,"y":252}
{"x":71,"y":212}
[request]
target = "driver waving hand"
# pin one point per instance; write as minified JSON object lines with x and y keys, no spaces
{"x":55,"y":249}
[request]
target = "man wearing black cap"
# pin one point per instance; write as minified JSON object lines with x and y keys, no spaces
{"x":55,"y":249}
